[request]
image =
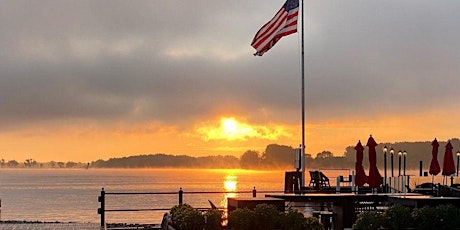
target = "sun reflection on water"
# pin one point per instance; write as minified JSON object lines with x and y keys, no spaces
{"x":230,"y":186}
{"x":230,"y":183}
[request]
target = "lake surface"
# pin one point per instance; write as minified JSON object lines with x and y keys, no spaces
{"x":71,"y":195}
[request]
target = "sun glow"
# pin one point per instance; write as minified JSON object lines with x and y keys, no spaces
{"x":229,"y":125}
{"x":230,"y":183}
{"x":230,"y":186}
{"x":231,"y":129}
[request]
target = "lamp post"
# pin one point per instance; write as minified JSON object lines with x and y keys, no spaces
{"x":399,"y":157}
{"x":404,"y":170}
{"x":458,"y":158}
{"x":392,"y":152}
{"x":385,"y":149}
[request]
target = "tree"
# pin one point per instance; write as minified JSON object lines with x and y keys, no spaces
{"x":12,"y":164}
{"x":250,"y":159}
{"x":29,"y":163}
{"x":324,"y":155}
{"x":70,"y":164}
{"x":278,"y":156}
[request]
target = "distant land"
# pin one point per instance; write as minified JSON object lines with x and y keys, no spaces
{"x":274,"y":157}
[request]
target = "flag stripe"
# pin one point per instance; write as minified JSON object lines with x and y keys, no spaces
{"x":282,"y":24}
{"x":268,"y":35}
{"x":269,"y":25}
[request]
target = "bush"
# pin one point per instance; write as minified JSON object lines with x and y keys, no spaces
{"x":448,"y":216}
{"x":293,"y":220}
{"x":213,"y":219}
{"x":312,"y":223}
{"x":185,"y":217}
{"x":439,"y":217}
{"x":425,"y":218}
{"x":240,"y":219}
{"x":397,"y":217}
{"x":368,"y":221}
{"x":266,"y":217}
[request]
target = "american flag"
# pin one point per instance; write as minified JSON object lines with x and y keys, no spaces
{"x":282,"y":24}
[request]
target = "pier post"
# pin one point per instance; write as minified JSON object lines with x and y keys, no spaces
{"x":254,"y":192}
{"x":181,"y":193}
{"x":101,"y":210}
{"x":353,"y":186}
{"x":337,"y":184}
{"x":421,"y":169}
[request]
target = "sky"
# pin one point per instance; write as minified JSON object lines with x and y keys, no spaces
{"x":86,"y":80}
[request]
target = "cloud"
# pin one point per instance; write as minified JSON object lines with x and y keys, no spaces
{"x":179,"y":63}
{"x":232,"y":129}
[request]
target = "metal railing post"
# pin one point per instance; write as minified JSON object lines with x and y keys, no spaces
{"x":180,"y":196}
{"x":101,"y":210}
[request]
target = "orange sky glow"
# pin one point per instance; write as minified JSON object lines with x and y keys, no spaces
{"x":220,"y":136}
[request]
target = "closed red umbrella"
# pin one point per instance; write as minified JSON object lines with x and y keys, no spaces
{"x":448,"y":166}
{"x":434,"y":166}
{"x":375,"y":179}
{"x":360,"y":177}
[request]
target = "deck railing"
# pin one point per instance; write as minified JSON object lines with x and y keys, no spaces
{"x":102,"y":199}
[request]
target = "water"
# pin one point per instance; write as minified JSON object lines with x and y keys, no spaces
{"x":71,"y":195}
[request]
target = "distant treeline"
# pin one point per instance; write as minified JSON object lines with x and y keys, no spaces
{"x":166,"y":161}
{"x":274,"y":157}
{"x":283,"y":157}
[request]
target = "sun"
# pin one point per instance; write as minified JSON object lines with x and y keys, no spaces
{"x":232,"y":129}
{"x":229,"y":125}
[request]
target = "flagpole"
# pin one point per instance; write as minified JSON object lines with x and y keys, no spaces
{"x":302,"y":64}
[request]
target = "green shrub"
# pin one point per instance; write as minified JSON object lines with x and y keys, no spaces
{"x":185,"y":217}
{"x":448,"y":216}
{"x":213,"y":219}
{"x":312,"y":223}
{"x":293,"y":220}
{"x":397,"y":217}
{"x":266,"y":217}
{"x":240,"y":219}
{"x":368,"y":221}
{"x":425,"y":218}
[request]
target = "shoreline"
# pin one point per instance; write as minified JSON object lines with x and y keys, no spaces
{"x":58,"y":225}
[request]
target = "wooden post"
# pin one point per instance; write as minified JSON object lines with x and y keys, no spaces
{"x":254,"y":192}
{"x":421,"y":168}
{"x":101,"y":210}
{"x":180,"y":196}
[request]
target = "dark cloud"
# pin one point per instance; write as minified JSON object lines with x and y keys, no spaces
{"x":173,"y":61}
